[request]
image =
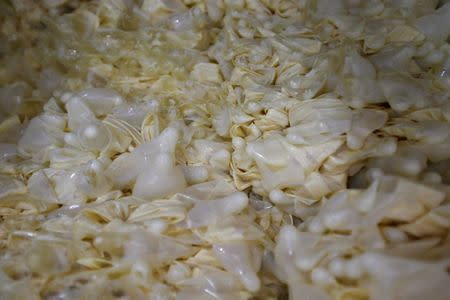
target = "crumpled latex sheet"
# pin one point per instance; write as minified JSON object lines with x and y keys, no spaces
{"x":229,"y":149}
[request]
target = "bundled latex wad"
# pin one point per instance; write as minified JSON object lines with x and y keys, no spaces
{"x":231,"y":149}
{"x":359,"y":245}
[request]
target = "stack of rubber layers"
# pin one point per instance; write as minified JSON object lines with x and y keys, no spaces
{"x":224,"y":149}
